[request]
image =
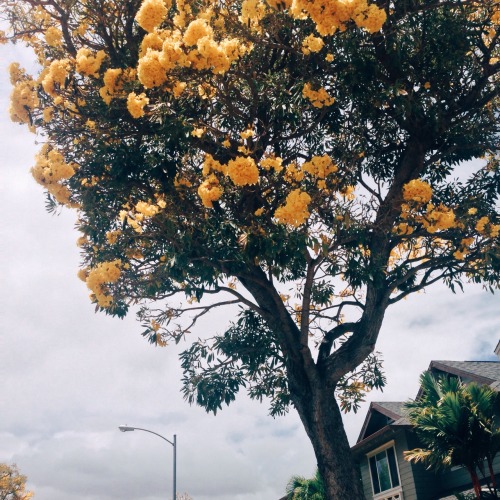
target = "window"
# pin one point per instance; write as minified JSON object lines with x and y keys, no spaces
{"x":384,"y":470}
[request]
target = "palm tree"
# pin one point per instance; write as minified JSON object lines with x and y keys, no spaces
{"x":300,"y":488}
{"x":455,"y":423}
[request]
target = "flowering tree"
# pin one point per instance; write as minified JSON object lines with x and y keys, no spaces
{"x":13,"y":484}
{"x":301,"y":159}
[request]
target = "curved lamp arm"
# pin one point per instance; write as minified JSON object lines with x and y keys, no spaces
{"x":127,"y":428}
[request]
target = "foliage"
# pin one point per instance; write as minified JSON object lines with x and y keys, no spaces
{"x":13,"y":484}
{"x":300,"y":488}
{"x":455,"y":423}
{"x":303,"y":161}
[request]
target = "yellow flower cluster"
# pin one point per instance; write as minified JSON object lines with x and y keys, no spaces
{"x":112,"y":84}
{"x":252,"y":12}
{"x":49,"y":170}
{"x":112,"y":236}
{"x":320,"y":166}
{"x":493,"y":229}
{"x":105,"y":272}
{"x":243,"y":171}
{"x":89,"y":63}
{"x":403,"y":229}
{"x":295,"y":210}
{"x":438,"y":218}
{"x":152,"y":13}
{"x":197,"y":29}
{"x":312,"y":44}
{"x":23,"y":100}
{"x":55,"y":74}
{"x":212,"y":165}
{"x":418,"y":191}
{"x":136,"y":104}
{"x":163,"y":51}
{"x":272,"y":162}
{"x":331,"y":15}
{"x":53,"y":36}
{"x":150,"y":70}
{"x":463,"y":249}
{"x":153,"y":40}
{"x":146,"y":209}
{"x":210,"y":191}
{"x":319,"y":98}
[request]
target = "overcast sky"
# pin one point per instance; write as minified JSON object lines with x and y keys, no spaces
{"x":69,"y":377}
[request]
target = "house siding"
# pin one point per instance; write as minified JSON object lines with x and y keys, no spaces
{"x":365,"y":478}
{"x":426,"y":482}
{"x":405,"y":468}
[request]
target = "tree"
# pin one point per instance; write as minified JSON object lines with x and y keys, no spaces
{"x":301,"y":160}
{"x":300,"y":488}
{"x":456,"y":424}
{"x":13,"y":484}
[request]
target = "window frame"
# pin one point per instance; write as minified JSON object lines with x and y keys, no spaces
{"x":373,"y":453}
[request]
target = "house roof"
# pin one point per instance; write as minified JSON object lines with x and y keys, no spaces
{"x":483,"y":372}
{"x":386,"y":417}
{"x":374,"y":425}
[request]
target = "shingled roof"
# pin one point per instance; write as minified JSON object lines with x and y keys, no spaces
{"x":483,"y":372}
{"x":374,"y":427}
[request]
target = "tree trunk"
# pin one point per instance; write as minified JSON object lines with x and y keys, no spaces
{"x":492,"y":475}
{"x":475,"y":481}
{"x":322,"y":420}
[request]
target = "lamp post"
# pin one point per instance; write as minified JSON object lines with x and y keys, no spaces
{"x":126,"y":428}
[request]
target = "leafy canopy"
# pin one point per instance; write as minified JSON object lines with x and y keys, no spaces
{"x":455,"y":423}
{"x":303,"y":158}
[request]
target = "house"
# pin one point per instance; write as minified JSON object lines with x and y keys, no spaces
{"x":387,"y":433}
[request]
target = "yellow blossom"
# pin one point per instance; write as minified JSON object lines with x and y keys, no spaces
{"x":53,"y":36}
{"x":295,"y":210}
{"x":146,"y":209}
{"x":243,"y":171}
{"x":440,"y":218}
{"x":150,"y":70}
{"x":196,"y":30}
{"x":320,"y":166}
{"x":418,"y":191}
{"x":152,"y":13}
{"x":481,"y":224}
{"x":112,"y":84}
{"x":272,"y":162}
{"x":319,"y":98}
{"x":112,"y":236}
{"x":312,"y":44}
{"x":88,"y":63}
{"x":210,"y":191}
{"x":212,"y":165}
{"x":136,"y":104}
{"x":246,"y":134}
{"x":105,"y":272}
{"x":198,"y":132}
{"x":23,"y":100}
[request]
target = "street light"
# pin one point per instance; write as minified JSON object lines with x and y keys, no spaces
{"x":126,"y":428}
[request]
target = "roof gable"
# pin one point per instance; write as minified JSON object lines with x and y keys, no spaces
{"x":380,"y":415}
